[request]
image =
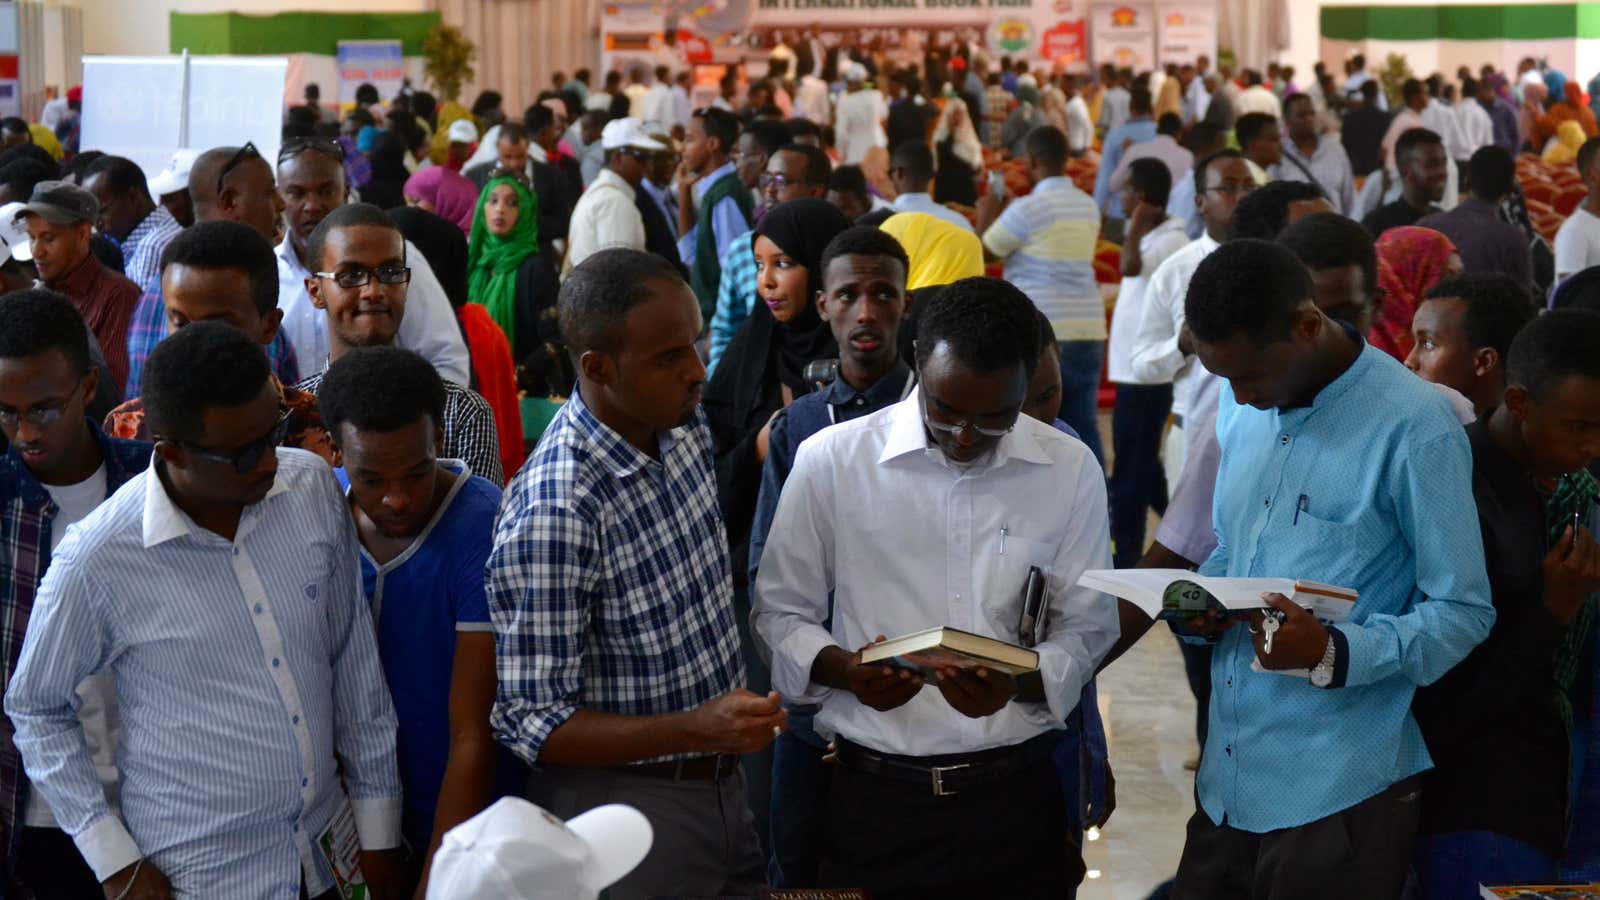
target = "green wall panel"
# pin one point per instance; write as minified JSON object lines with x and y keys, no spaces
{"x":294,"y":32}
{"x":1516,"y":22}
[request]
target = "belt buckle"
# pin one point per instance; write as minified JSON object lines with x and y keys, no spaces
{"x":937,"y":774}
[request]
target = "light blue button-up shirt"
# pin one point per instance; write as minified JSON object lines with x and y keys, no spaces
{"x":1370,"y":487}
{"x":727,"y":221}
{"x":1137,"y":132}
{"x":245,"y":671}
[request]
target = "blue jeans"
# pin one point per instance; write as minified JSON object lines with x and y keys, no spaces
{"x":1138,"y":483}
{"x":1081,"y":365}
{"x":1448,"y":866}
{"x":799,"y":812}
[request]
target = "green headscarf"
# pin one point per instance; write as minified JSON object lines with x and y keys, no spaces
{"x":493,"y":261}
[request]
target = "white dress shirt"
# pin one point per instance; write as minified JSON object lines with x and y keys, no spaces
{"x":923,"y":202}
{"x":247,"y":678}
{"x":659,"y":109}
{"x":858,"y":124}
{"x":428,"y":327}
{"x":1080,"y":128}
{"x":1154,"y":248}
{"x":905,"y":541}
{"x":606,"y":216}
{"x":1156,"y":358}
{"x":1477,"y":129}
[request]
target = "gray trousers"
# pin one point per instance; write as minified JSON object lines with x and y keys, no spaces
{"x":705,"y":837}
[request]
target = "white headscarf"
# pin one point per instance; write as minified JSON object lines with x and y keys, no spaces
{"x":965,"y":144}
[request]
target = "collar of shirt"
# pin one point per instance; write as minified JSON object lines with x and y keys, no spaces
{"x":164,"y":521}
{"x":610,"y":179}
{"x":704,"y":184}
{"x":1053,"y":183}
{"x":621,"y":457}
{"x":1333,"y":390}
{"x":1170,"y":223}
{"x":285,"y":251}
{"x":909,"y":434}
{"x":16,"y":479}
{"x":80,"y":282}
{"x":889,"y":389}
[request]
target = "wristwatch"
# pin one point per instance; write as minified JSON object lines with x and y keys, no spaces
{"x":1322,"y":674}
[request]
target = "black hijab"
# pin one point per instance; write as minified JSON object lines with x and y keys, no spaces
{"x":442,"y":245}
{"x":802,"y":230}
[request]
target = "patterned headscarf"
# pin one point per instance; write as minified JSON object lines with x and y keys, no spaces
{"x":1410,"y":261}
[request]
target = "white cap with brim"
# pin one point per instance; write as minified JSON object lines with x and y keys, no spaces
{"x":14,"y":234}
{"x":175,"y":176}
{"x":628,"y":132}
{"x":516,"y":851}
{"x":462,"y":131}
{"x":855,"y":72}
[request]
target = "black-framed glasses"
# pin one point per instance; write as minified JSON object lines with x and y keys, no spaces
{"x":779,"y":181}
{"x":1232,"y":188}
{"x":246,"y":458}
{"x":361,"y":276}
{"x":326,"y":146}
{"x":42,"y":416}
{"x":248,"y":151}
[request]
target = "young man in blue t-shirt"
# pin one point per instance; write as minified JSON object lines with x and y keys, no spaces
{"x":426,"y":526}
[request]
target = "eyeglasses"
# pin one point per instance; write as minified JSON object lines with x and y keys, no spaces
{"x":779,"y":182}
{"x":42,"y":416}
{"x":246,"y":458}
{"x":359,"y":276}
{"x":959,"y":428}
{"x":646,"y":156}
{"x":248,"y":151}
{"x":295,"y":146}
{"x":1232,"y":187}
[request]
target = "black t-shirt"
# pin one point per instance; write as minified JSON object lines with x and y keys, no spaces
{"x":1395,"y":215}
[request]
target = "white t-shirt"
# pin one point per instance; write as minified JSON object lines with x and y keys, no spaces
{"x":1154,"y":248}
{"x":97,"y":698}
{"x":1577,"y":244}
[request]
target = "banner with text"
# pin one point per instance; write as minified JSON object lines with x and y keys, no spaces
{"x":381,"y":64}
{"x":1185,"y":31}
{"x":1124,"y":35}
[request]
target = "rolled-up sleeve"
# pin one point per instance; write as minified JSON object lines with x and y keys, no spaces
{"x":796,"y":577}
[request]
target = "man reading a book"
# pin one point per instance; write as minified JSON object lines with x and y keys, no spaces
{"x":1337,"y":466}
{"x":932,"y":513}
{"x":1501,"y":725}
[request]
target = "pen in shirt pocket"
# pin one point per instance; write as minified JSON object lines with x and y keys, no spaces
{"x":1300,"y":507}
{"x":1003,"y":530}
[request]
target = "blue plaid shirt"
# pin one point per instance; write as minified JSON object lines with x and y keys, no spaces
{"x":736,"y":296}
{"x":610,"y":586}
{"x":148,"y":326}
{"x":141,"y":249}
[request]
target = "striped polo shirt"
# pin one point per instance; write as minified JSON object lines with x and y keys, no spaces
{"x":1047,"y":240}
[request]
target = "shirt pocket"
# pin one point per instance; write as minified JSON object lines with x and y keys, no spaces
{"x":1339,"y":553}
{"x":1001,"y":591}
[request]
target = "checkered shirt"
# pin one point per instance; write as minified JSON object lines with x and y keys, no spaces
{"x":141,"y":249}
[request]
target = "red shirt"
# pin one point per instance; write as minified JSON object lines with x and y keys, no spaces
{"x":497,"y":381}
{"x":106,"y":301}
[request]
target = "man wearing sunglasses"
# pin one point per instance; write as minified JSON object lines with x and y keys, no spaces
{"x":59,"y":468}
{"x":311,"y":180}
{"x":932,"y":513}
{"x":607,"y":215}
{"x":220,"y":593}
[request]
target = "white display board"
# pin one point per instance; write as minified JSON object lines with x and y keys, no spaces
{"x":145,"y":107}
{"x":1124,"y":35}
{"x":1185,"y":31}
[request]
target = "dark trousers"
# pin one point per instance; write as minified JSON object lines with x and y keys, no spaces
{"x":1082,"y":362}
{"x":1003,"y":838}
{"x":757,"y":766}
{"x":1197,"y":667}
{"x":1453,"y":865}
{"x":1138,"y":483}
{"x":48,"y":863}
{"x":1363,"y":851}
{"x":799,"y":811}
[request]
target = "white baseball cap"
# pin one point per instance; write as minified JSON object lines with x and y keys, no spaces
{"x":175,"y":177}
{"x":515,"y":850}
{"x":462,"y":131}
{"x":628,"y":132}
{"x":14,"y":240}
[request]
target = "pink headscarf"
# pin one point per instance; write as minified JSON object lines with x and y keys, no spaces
{"x":1410,"y":261}
{"x":446,"y":193}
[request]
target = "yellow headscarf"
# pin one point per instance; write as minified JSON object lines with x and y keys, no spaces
{"x":46,"y":139}
{"x":1564,"y":148}
{"x":940,"y":252}
{"x":439,"y":144}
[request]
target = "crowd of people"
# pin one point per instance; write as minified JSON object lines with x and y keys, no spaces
{"x":578,"y":458}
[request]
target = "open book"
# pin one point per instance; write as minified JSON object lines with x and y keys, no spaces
{"x":1541,"y":892}
{"x":923,"y":651}
{"x":1182,"y":594}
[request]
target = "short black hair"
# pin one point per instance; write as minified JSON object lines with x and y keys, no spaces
{"x":1301,"y":97}
{"x":1331,"y":241}
{"x":818,"y":166}
{"x":598,"y":295}
{"x":380,"y":389}
{"x":1411,"y":87}
{"x":1264,"y":212}
{"x":75,"y":167}
{"x":20,"y":176}
{"x":1498,"y":307}
{"x":768,"y":135}
{"x":1492,"y":172}
{"x":1046,"y":144}
{"x":864,"y":240}
{"x":916,"y":158}
{"x":1152,"y":179}
{"x":1170,"y":124}
{"x":1139,"y":101}
{"x":1248,"y":288}
{"x":848,"y":180}
{"x":350,"y":215}
{"x":203,"y":366}
{"x":1587,"y":152}
{"x":1250,"y":126}
{"x":1206,"y":138}
{"x":1204,"y":165}
{"x":1369,"y":90}
{"x":15,"y":125}
{"x":547,"y":371}
{"x":987,"y":323}
{"x":720,"y":124}
{"x":367,"y":93}
{"x":228,"y":245}
{"x":486,"y":101}
{"x":512,"y":132}
{"x":537,"y":118}
{"x":1553,"y":346}
{"x":120,"y":173}
{"x":1413,"y":140}
{"x":799,"y":128}
{"x":37,"y":320}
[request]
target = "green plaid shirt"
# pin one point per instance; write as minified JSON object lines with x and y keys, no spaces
{"x":1574,"y":495}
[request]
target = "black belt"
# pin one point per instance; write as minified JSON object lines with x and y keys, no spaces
{"x":699,"y":768}
{"x":952,"y":774}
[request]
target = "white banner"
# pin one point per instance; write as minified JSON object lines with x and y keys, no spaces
{"x":1124,"y":35}
{"x":1185,"y":31}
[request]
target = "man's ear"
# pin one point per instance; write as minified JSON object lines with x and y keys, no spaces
{"x":168,"y":452}
{"x":314,"y":288}
{"x":270,"y":323}
{"x":597,"y":367}
{"x":1517,"y":401}
{"x":1484,"y":359}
